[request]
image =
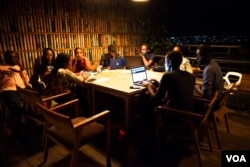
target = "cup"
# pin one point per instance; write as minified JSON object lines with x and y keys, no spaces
{"x":99,"y":69}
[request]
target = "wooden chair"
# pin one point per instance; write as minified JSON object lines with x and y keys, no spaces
{"x":220,"y":111}
{"x":195,"y":120}
{"x":74,"y":133}
{"x":30,"y":99}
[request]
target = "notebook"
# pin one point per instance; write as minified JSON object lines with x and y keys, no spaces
{"x":133,"y":61}
{"x":117,"y":63}
{"x":138,"y":75}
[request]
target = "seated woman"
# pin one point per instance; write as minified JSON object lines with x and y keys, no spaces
{"x":63,"y":80}
{"x":82,"y":63}
{"x":42,"y":69}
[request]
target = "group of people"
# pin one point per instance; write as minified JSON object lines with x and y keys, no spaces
{"x":63,"y":74}
{"x":176,"y":89}
{"x":51,"y":75}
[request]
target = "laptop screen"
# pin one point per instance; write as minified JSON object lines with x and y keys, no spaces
{"x":138,"y":74}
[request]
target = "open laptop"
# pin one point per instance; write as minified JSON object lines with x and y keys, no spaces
{"x":133,"y":61}
{"x":117,"y":63}
{"x":138,"y":75}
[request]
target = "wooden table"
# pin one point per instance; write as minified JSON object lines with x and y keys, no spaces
{"x":117,"y":83}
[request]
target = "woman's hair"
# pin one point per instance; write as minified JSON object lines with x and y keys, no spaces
{"x":76,"y":49}
{"x":45,"y":51}
{"x":60,"y":62}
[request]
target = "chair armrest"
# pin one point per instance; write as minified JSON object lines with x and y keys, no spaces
{"x":70,"y":103}
{"x":44,"y":99}
{"x":162,"y":109}
{"x":200,"y":98}
{"x":102,"y":115}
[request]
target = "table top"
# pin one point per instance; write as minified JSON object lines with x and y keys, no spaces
{"x":120,"y":80}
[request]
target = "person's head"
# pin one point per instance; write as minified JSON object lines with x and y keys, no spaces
{"x":145,"y":48}
{"x":48,"y":56}
{"x":204,"y":54}
{"x":174,"y":59}
{"x":177,"y":48}
{"x":62,"y":61}
{"x":78,"y":53}
{"x":112,"y":50}
{"x":11,"y":58}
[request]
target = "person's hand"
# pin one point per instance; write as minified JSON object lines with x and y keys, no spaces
{"x":9,"y":73}
{"x":154,"y":82}
{"x":197,"y":87}
{"x":144,"y":83}
{"x":85,"y":75}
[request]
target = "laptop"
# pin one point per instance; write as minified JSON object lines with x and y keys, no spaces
{"x":138,"y":75}
{"x":133,"y":61}
{"x":117,"y":63}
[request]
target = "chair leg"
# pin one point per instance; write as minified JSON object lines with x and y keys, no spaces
{"x":43,"y":138}
{"x":209,"y":140}
{"x":226,"y":121}
{"x":46,"y":150}
{"x":74,"y":157}
{"x":216,"y":131}
{"x":108,"y":159}
{"x":197,"y":146}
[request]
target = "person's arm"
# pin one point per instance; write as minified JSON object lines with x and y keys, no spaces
{"x":207,"y":84}
{"x":104,"y":61}
{"x":73,"y":77}
{"x":146,"y":62}
{"x":149,"y":60}
{"x":25,"y":78}
{"x":90,"y":65}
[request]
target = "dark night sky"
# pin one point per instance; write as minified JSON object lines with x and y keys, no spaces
{"x":203,"y":17}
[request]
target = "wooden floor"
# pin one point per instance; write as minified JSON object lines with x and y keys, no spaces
{"x":10,"y":156}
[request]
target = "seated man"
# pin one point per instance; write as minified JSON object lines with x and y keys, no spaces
{"x":112,"y":60}
{"x":175,"y":90}
{"x":147,"y":56}
{"x":212,"y":77}
{"x":11,"y":76}
{"x":185,"y":64}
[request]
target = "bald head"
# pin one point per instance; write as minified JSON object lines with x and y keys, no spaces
{"x":177,"y":49}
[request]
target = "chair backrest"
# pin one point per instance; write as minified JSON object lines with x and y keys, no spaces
{"x":30,"y":97}
{"x":58,"y":120}
{"x":209,"y":108}
{"x":233,"y":75}
{"x":225,"y":95}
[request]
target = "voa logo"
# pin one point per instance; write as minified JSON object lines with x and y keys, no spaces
{"x":236,"y":158}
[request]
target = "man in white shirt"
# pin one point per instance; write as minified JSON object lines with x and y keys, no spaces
{"x":185,"y":64}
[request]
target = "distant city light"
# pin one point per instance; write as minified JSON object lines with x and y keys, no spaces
{"x":140,"y":0}
{"x":199,"y":39}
